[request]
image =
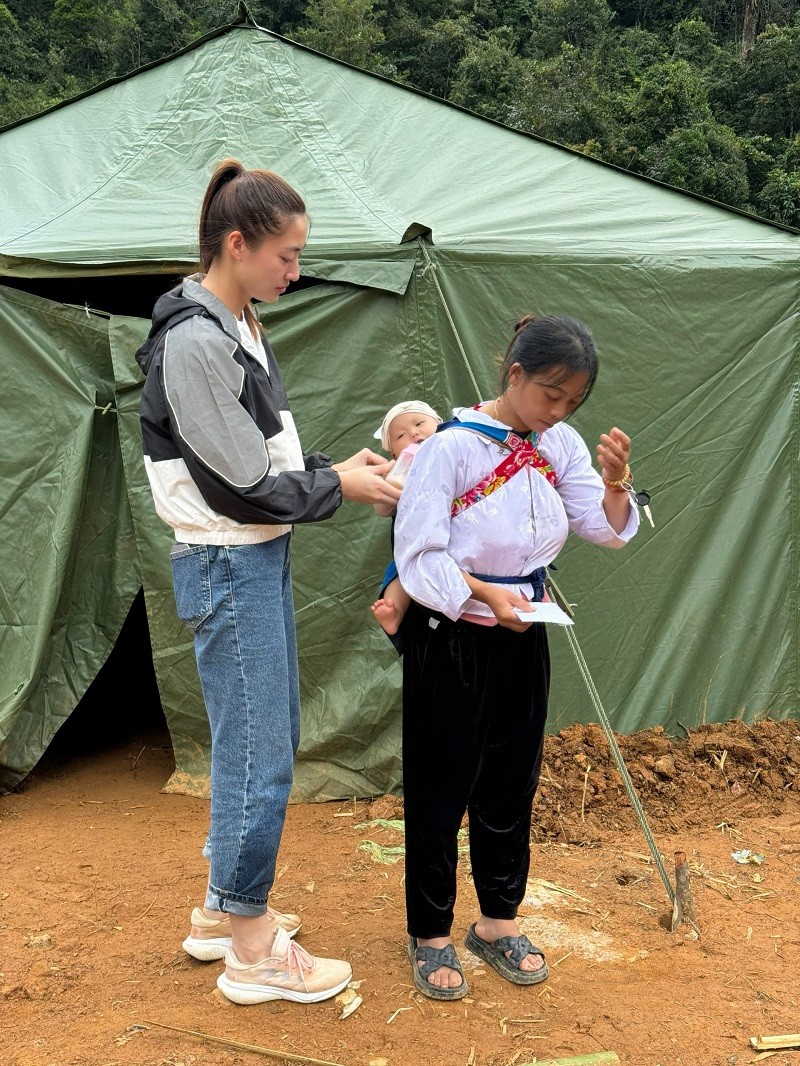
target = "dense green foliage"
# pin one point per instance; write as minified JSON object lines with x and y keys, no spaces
{"x":703,"y":94}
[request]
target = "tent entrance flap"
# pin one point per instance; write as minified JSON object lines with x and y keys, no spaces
{"x":68,"y":567}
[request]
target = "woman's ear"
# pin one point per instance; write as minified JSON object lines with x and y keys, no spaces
{"x":513,"y":376}
{"x":235,"y":244}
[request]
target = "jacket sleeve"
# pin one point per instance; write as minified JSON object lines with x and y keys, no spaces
{"x":317,"y":461}
{"x":225,"y":451}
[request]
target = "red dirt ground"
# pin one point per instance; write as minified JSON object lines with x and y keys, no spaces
{"x":100,"y":870}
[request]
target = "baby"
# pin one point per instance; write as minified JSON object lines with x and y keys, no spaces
{"x":406,"y":423}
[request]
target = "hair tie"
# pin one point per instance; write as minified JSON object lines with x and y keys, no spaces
{"x":225,"y":179}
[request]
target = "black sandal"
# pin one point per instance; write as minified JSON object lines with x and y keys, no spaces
{"x":495,"y":954}
{"x":432,"y":959}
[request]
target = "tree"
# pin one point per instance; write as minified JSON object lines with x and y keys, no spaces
{"x":344,"y":29}
{"x":488,"y":78}
{"x":652,"y":14}
{"x":94,"y":36}
{"x":772,"y":81}
{"x":724,"y":78}
{"x":640,"y":48}
{"x":759,"y":154}
{"x":579,"y":23}
{"x":431,"y":56}
{"x":669,"y":96}
{"x":705,"y":159}
{"x":693,"y":40}
{"x":780,"y":197}
{"x":790,"y":155}
{"x":280,"y":16}
{"x":749,"y":27}
{"x":11,"y":55}
{"x":561,"y":98}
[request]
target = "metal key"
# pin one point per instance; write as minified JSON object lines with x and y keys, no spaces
{"x":641,"y":499}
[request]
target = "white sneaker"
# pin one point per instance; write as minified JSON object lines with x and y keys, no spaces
{"x":289,"y":973}
{"x":210,"y":938}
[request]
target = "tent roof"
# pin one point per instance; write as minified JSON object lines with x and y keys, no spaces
{"x":112,"y":180}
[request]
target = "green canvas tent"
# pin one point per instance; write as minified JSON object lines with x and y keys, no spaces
{"x":432,"y":231}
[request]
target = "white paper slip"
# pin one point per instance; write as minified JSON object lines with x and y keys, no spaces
{"x":545,"y":612}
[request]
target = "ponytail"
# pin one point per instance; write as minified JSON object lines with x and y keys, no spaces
{"x":211,"y":225}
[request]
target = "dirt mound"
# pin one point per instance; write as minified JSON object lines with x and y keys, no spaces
{"x":730,"y":771}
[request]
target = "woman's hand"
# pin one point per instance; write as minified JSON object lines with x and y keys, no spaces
{"x":365,"y":457}
{"x":505,"y":604}
{"x":502,"y":602}
{"x":366,"y":483}
{"x":613,"y":454}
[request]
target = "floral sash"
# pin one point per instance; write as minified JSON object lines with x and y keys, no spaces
{"x":523,"y":453}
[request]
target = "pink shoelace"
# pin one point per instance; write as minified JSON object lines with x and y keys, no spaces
{"x":298,"y":958}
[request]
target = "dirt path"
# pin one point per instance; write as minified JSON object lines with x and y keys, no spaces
{"x":100,"y":870}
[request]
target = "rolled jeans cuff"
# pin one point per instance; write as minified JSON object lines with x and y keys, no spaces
{"x":217,"y":899}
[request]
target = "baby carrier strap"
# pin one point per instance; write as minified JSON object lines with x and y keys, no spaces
{"x":522,"y":453}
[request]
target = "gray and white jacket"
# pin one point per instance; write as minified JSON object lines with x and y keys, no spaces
{"x":220,"y":445}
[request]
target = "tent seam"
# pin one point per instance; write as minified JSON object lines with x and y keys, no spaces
{"x":383,"y":209}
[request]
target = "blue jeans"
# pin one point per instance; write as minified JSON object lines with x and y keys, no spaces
{"x":238,"y":602}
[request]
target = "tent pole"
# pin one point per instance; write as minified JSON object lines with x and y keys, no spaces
{"x":431,"y":266}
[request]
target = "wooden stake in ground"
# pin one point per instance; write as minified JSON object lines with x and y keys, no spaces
{"x":285,"y":1056}
{"x":683,"y":905}
{"x":770,"y":1043}
{"x":598,"y":1058}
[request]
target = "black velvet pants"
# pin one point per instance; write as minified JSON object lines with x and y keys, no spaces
{"x":474,"y":709}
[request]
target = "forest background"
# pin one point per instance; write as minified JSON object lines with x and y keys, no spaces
{"x":702,"y":94}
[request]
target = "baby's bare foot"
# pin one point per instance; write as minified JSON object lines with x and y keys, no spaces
{"x":388,"y":614}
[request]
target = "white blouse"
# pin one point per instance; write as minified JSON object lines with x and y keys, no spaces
{"x":513,"y":531}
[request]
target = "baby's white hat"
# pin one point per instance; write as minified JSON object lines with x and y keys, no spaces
{"x":408,"y":408}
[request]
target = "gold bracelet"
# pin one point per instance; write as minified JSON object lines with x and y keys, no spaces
{"x":617,"y":485}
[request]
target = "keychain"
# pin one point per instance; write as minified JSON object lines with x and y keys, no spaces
{"x":641,"y":499}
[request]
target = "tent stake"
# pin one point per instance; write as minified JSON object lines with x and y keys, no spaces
{"x":598,"y":1058}
{"x":284,"y":1055}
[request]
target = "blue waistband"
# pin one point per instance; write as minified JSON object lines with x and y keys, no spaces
{"x":535,"y":578}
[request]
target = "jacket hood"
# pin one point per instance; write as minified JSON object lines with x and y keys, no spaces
{"x":186,"y":300}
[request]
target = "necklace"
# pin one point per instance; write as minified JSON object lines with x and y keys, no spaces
{"x":496,"y":406}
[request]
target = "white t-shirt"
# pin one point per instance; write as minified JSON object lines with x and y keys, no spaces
{"x":251,"y":345}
